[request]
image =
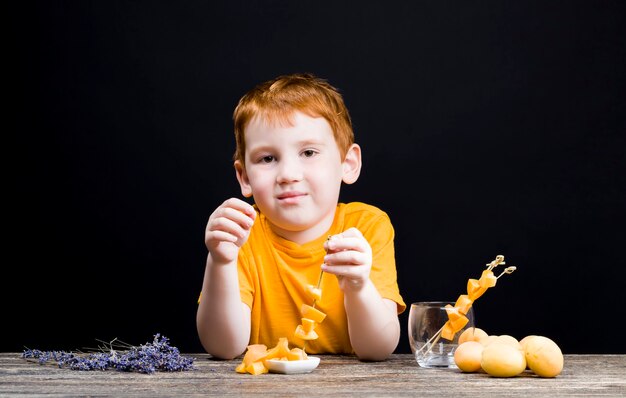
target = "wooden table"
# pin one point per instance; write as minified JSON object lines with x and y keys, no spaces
{"x":336,"y":376}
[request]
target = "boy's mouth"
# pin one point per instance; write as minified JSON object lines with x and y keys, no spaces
{"x":290,"y":197}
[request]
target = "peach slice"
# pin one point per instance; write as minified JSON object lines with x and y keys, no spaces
{"x":312,"y":313}
{"x":474,"y":289}
{"x":296,"y":354}
{"x":300,"y":333}
{"x":456,"y":319}
{"x":308,"y":325}
{"x":314,"y":292}
{"x":487,"y":279}
{"x":463,"y":303}
{"x":279,"y":350}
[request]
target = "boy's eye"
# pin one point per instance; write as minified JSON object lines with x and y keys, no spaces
{"x":308,"y":153}
{"x":267,"y":159}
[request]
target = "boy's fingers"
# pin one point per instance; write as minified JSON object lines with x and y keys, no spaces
{"x":238,"y":204}
{"x":351,"y":233}
{"x":224,"y":236}
{"x":344,"y":271}
{"x":347,"y":243}
{"x":237,"y":216}
{"x":346,"y":258}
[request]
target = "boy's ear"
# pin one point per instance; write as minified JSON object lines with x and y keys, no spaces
{"x":242,"y":177}
{"x":352,"y":164}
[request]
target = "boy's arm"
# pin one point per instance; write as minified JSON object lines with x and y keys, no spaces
{"x":373,"y":322}
{"x":222,"y":320}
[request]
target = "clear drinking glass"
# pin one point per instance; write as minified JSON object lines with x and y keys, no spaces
{"x":425,"y":321}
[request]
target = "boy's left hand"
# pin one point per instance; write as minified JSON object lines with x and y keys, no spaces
{"x":349,"y":258}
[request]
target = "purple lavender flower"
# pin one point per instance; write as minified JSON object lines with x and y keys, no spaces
{"x":148,"y":358}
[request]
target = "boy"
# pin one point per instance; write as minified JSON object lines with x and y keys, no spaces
{"x":295,"y":148}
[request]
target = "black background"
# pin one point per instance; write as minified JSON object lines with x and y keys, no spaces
{"x":487,"y":128}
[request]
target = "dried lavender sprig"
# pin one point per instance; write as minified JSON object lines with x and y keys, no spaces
{"x":149,"y":358}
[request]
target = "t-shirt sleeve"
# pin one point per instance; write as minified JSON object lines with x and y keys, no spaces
{"x":380,"y":235}
{"x":244,"y":270}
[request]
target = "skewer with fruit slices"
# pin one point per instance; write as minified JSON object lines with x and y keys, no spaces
{"x":457,"y":318}
{"x":311,"y":316}
{"x":254,"y":360}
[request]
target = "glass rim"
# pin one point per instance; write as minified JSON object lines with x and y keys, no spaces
{"x":432,"y":303}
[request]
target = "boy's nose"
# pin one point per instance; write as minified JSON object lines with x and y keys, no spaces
{"x":289,"y":170}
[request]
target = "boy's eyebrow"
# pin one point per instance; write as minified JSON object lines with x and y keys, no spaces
{"x":260,"y":148}
{"x":301,"y":143}
{"x":311,"y":142}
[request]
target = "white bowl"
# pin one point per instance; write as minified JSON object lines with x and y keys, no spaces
{"x":291,"y":367}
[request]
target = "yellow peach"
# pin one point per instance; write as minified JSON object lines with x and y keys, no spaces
{"x":507,"y":339}
{"x":543,"y":355}
{"x":467,"y":356}
{"x":523,"y":343}
{"x":502,"y":360}
{"x":472,"y":334}
{"x":525,"y":340}
{"x":488,"y":340}
{"x":501,"y":338}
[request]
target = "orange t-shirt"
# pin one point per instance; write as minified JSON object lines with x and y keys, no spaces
{"x":274,"y":273}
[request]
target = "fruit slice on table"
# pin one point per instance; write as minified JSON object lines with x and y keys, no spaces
{"x":254,"y":353}
{"x":280,"y":350}
{"x":312,"y":313}
{"x":314,"y":292}
{"x":257,"y":368}
{"x":296,"y":354}
{"x":255,"y":360}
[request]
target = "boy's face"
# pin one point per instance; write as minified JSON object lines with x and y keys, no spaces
{"x":294,"y":172}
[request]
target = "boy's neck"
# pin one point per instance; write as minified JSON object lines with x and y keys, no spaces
{"x":307,"y":235}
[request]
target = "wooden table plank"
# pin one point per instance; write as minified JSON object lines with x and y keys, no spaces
{"x":336,"y":376}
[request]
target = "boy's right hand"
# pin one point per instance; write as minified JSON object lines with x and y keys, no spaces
{"x":228,"y":229}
